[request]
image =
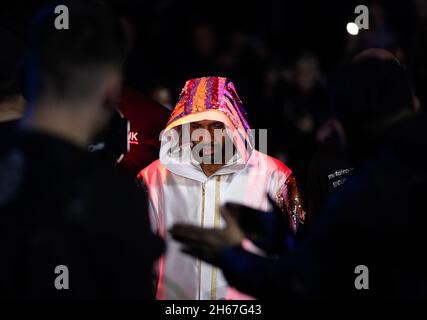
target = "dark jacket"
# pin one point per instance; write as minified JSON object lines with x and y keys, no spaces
{"x":58,"y":207}
{"x":377,"y":220}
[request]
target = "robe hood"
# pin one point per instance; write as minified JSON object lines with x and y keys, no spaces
{"x":207,"y":98}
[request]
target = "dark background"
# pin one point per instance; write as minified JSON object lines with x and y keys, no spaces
{"x":281,"y":55}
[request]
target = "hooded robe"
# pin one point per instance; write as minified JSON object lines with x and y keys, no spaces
{"x":180,"y":192}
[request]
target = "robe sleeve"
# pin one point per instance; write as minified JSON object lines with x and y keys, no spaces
{"x":289,"y":199}
{"x":156,"y":226}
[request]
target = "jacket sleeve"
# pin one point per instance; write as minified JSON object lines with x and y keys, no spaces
{"x":261,"y":277}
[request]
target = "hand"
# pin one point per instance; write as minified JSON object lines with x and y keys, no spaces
{"x":208,"y":244}
{"x":267,"y":230}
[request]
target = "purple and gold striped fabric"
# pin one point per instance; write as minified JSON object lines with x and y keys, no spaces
{"x":210,"y":93}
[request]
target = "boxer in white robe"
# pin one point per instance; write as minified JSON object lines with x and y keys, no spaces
{"x":184,"y":187}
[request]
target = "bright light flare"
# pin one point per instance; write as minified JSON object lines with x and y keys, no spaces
{"x":352,"y":28}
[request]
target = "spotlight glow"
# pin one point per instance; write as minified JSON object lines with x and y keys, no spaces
{"x":352,"y":28}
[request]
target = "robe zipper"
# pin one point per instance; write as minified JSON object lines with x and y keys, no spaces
{"x":202,"y":224}
{"x":216,"y":225}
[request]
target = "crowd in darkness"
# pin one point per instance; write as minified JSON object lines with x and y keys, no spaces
{"x":280,"y":54}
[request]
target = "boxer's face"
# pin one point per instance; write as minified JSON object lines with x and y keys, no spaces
{"x":208,"y":138}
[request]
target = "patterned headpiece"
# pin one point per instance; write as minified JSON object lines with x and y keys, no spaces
{"x":210,"y":93}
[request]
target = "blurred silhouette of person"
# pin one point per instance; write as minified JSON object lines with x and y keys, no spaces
{"x":200,"y":54}
{"x":161,"y":94}
{"x":204,"y":49}
{"x":370,"y":236}
{"x":12,"y":101}
{"x":145,"y":118}
{"x":329,"y":168}
{"x":418,"y":50}
{"x":303,"y":97}
{"x":59,"y":208}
